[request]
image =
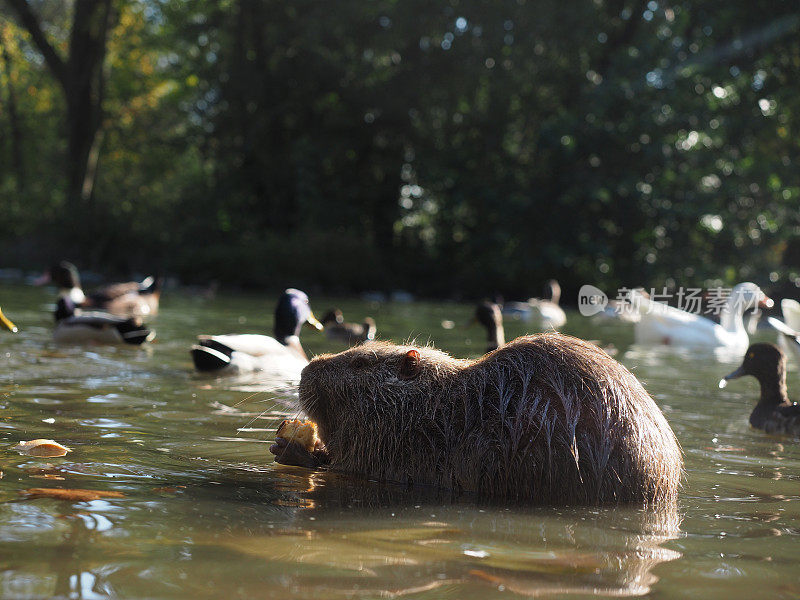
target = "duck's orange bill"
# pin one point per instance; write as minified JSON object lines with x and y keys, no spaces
{"x":4,"y":320}
{"x":312,"y":322}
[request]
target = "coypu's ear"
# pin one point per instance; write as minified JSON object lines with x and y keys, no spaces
{"x":410,"y":367}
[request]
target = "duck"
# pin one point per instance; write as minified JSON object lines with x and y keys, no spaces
{"x":667,"y":325}
{"x":6,"y":322}
{"x":127,"y":299}
{"x":545,"y":313}
{"x":620,"y":310}
{"x":789,"y":328}
{"x":490,"y":316}
{"x":250,"y":353}
{"x":774,"y":413}
{"x":791,"y":313}
{"x":350,"y":333}
{"x":74,"y":326}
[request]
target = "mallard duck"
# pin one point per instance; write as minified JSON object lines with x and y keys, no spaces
{"x":774,"y":413}
{"x":490,"y":316}
{"x":662,"y":324}
{"x":248,"y":353}
{"x":349,"y":333}
{"x":78,"y":327}
{"x":544,"y":313}
{"x":7,"y":323}
{"x":125,"y":299}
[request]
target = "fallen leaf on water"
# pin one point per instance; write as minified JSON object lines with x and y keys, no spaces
{"x":41,"y":448}
{"x":74,"y":495}
{"x":485,"y":576}
{"x":168,"y":489}
{"x":52,"y":354}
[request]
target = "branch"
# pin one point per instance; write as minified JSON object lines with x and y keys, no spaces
{"x":622,"y":37}
{"x":31,"y":23}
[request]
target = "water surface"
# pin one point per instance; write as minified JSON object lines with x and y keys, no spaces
{"x":206,"y":513}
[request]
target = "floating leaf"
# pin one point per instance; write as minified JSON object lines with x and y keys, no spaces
{"x":74,"y":495}
{"x":42,"y":448}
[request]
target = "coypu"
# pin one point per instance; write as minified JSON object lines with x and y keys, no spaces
{"x":546,"y":419}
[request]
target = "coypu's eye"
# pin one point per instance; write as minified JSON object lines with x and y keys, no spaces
{"x":359,"y":362}
{"x":410,"y":367}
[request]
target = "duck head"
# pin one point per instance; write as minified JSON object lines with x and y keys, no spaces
{"x":767,"y":363}
{"x":552,"y":291}
{"x":748,"y":295}
{"x":490,"y":316}
{"x":65,"y":275}
{"x":333,"y":316}
{"x":291,"y":313}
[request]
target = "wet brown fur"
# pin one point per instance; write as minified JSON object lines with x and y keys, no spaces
{"x":546,"y":419}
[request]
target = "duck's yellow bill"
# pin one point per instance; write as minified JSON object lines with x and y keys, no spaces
{"x":312,"y":322}
{"x":4,"y":320}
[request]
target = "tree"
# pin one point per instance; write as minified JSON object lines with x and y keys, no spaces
{"x":81,"y":77}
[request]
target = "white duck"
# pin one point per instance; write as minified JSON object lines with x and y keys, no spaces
{"x":543,"y":313}
{"x":789,"y":328}
{"x":279,"y":356}
{"x":791,"y":313}
{"x":663,"y":324}
{"x":94,"y":327}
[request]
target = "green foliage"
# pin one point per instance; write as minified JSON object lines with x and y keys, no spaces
{"x":444,"y":148}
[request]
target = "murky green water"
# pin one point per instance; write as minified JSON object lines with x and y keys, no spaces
{"x":207,"y":514}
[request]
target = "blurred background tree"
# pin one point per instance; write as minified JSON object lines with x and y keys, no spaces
{"x":446,"y":148}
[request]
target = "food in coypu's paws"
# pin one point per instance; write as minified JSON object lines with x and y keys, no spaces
{"x":300,"y":432}
{"x":41,"y":448}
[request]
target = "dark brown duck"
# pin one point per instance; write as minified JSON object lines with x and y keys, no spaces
{"x":544,"y":419}
{"x":350,"y":333}
{"x":490,"y":316}
{"x":774,"y":413}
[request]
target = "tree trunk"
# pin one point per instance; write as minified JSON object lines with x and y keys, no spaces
{"x":17,"y":154}
{"x":82,"y":80}
{"x":84,"y":93}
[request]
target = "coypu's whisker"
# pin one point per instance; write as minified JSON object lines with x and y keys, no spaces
{"x":253,"y":420}
{"x":245,"y":399}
